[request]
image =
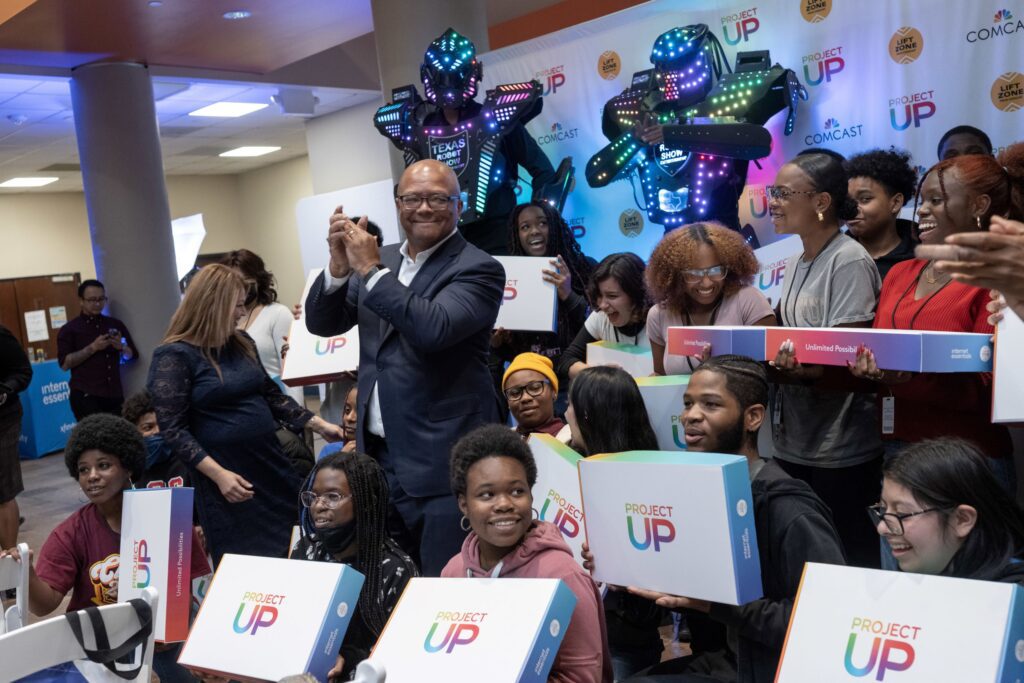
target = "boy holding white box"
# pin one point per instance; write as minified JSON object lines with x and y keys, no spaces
{"x":724,"y":406}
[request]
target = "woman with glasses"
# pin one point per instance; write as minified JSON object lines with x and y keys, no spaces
{"x":701,"y":274}
{"x":530,"y":386}
{"x":537,"y":229}
{"x":218,"y":411}
{"x":344,"y":519}
{"x":266,"y":320}
{"x":943,"y":512}
{"x":607,"y":415}
{"x":827,"y":437}
{"x":620,"y":303}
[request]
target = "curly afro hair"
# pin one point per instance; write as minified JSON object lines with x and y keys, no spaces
{"x":108,"y":433}
{"x":137,"y":405}
{"x":489,"y":441}
{"x":890,"y":167}
{"x":677,"y":251}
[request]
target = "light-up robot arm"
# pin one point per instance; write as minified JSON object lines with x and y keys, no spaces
{"x":556,"y":192}
{"x":617,"y":158}
{"x":398,"y":120}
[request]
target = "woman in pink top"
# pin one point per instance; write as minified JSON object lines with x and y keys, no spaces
{"x":700,"y":274}
{"x":492,"y":473}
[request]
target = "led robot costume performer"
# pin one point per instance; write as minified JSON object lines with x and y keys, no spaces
{"x":483,"y":143}
{"x":710,"y":130}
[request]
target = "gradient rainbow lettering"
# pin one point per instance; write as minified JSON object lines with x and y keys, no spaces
{"x":658,"y":530}
{"x":891,"y":649}
{"x":263,"y":615}
{"x":463,"y":629}
{"x":140,"y":564}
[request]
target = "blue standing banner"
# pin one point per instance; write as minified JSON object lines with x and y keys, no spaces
{"x":48,"y":418}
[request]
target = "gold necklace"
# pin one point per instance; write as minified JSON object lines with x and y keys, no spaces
{"x":931,"y":279}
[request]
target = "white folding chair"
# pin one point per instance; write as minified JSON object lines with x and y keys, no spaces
{"x":15,"y":575}
{"x":52,"y":642}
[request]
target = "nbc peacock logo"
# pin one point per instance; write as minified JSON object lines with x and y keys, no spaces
{"x":1002,"y":15}
{"x":1008,"y":92}
{"x":831,"y":123}
{"x":906,"y":45}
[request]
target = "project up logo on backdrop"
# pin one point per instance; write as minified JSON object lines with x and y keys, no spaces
{"x":564,"y":515}
{"x":557,"y":133}
{"x":738,"y":26}
{"x":1004,"y":24}
{"x":815,"y":11}
{"x":820,"y":67}
{"x":832,"y":131}
{"x":578,"y":227}
{"x":609,"y":64}
{"x":758,"y":200}
{"x":463,"y":629}
{"x":655,"y":523}
{"x":1008,"y":91}
{"x":906,"y":45}
{"x":551,"y":78}
{"x":911,"y":109}
{"x":890,"y":650}
{"x":631,"y":223}
{"x":262,"y":615}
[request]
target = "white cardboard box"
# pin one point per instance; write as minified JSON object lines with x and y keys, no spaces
{"x":266,"y":618}
{"x":636,"y":360}
{"x":494,"y":630}
{"x":663,"y":398}
{"x":679,"y":523}
{"x":853,"y":624}
{"x":529,"y":303}
{"x":156,"y":550}
{"x":1008,"y":368}
{"x":556,"y":494}
{"x":312,"y":359}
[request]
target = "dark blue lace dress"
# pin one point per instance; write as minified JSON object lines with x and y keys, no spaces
{"x":232,"y":421}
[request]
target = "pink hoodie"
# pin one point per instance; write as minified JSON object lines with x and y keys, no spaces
{"x":583,"y":656}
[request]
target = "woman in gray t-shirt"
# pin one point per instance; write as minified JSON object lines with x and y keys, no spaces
{"x":828,"y":438}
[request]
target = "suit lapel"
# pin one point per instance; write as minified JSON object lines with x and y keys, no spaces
{"x":393,"y":261}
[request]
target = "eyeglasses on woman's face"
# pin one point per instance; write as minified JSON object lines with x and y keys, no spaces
{"x":783,"y":194}
{"x":534,"y":388}
{"x":331,"y":500}
{"x":894,"y":520}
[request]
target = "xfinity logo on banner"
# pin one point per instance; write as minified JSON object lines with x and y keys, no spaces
{"x":911,"y":109}
{"x":557,"y":134}
{"x":742,"y":24}
{"x":1004,"y":24}
{"x":824,"y":65}
{"x":833,"y":132}
{"x":552,"y":79}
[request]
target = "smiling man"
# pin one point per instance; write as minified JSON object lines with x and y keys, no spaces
{"x":425,"y":311}
{"x":723,"y":409}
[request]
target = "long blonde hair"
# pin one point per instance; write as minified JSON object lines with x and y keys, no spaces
{"x":205,"y":317}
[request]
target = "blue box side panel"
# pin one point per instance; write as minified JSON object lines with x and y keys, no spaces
{"x":745,"y":557}
{"x":547,"y":640}
{"x":749,"y":343}
{"x":1012,"y":668}
{"x":332,"y":631}
{"x":937,"y":353}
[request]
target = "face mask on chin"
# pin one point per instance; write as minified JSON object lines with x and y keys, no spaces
{"x":336,"y":539}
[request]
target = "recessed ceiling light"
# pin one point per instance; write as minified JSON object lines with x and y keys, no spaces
{"x":237,"y":14}
{"x":155,"y":3}
{"x":229,"y":109}
{"x":249,"y":151}
{"x":28,"y":182}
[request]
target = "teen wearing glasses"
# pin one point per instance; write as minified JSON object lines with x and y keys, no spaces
{"x":828,"y":438}
{"x":620,"y":303}
{"x":530,"y":386}
{"x":344,"y":519}
{"x":701,"y":274}
{"x":943,"y":512}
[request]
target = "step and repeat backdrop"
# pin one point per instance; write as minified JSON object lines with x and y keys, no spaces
{"x":879,"y":73}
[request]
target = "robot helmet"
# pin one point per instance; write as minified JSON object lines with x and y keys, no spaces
{"x":450,"y":70}
{"x":682,"y":60}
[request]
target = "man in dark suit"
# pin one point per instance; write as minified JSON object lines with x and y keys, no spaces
{"x":425,"y":311}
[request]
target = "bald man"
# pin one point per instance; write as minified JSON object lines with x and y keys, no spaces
{"x":425,"y":312}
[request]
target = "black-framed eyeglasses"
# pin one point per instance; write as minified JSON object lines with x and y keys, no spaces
{"x":714,"y":273}
{"x":784,"y":193}
{"x":534,"y":388}
{"x":331,"y":500}
{"x":894,"y":520}
{"x":96,"y":300}
{"x":437,"y":202}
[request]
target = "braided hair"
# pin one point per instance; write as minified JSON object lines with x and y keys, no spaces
{"x":369,"y":489}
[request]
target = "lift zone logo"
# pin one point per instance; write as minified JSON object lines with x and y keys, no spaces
{"x":462,"y":629}
{"x":654,"y":521}
{"x":889,"y":648}
{"x":261,"y":609}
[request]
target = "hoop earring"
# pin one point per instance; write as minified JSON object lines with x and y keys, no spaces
{"x":536,"y":515}
{"x":464,"y":523}
{"x":821,"y":217}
